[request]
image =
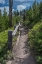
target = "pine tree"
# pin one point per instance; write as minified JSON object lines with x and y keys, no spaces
{"x":17,"y":13}
{"x":0,"y":20}
{"x":40,"y":12}
{"x":5,"y":19}
{"x":24,"y":15}
{"x":35,"y":9}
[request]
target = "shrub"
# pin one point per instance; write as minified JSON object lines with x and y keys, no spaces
{"x":4,"y":44}
{"x":35,"y":38}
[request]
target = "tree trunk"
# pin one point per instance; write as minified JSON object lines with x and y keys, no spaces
{"x":10,"y":13}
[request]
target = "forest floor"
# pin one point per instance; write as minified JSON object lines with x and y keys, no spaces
{"x":21,"y":52}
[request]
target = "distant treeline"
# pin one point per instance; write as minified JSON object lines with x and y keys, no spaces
{"x":33,"y":14}
{"x":4,"y":19}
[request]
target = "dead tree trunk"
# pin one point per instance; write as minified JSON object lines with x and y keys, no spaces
{"x":10,"y":12}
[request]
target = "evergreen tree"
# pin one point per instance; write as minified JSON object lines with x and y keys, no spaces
{"x":17,"y":13}
{"x":40,"y":12}
{"x":0,"y":13}
{"x":35,"y":10}
{"x":0,"y":20}
{"x":5,"y":19}
{"x":24,"y":15}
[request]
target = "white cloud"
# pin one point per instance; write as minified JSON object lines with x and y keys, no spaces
{"x":24,"y":0}
{"x":7,"y":9}
{"x":21,"y":7}
{"x":20,"y":0}
{"x":2,"y":1}
{"x":13,"y":10}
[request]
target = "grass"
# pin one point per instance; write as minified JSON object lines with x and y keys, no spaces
{"x":4,"y":52}
{"x":4,"y":44}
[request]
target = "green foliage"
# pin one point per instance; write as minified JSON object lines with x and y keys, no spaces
{"x":9,"y":55}
{"x":15,"y":20}
{"x":4,"y":20}
{"x":33,"y":14}
{"x":16,"y":13}
{"x":40,"y":13}
{"x":23,"y":15}
{"x":4,"y":44}
{"x":35,"y":40}
{"x":4,"y":27}
{"x":39,"y":59}
{"x":33,"y":21}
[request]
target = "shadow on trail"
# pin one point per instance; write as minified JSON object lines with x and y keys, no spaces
{"x":28,"y":60}
{"x":23,"y":32}
{"x":26,"y":47}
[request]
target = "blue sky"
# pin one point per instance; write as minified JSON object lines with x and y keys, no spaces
{"x":17,"y":4}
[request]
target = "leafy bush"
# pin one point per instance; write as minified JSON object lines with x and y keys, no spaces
{"x":35,"y":38}
{"x":39,"y":59}
{"x":15,"y":20}
{"x":3,"y":44}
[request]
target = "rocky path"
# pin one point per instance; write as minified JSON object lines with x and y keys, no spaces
{"x":22,"y":52}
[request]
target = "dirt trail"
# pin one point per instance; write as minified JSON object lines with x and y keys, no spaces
{"x":22,"y":52}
